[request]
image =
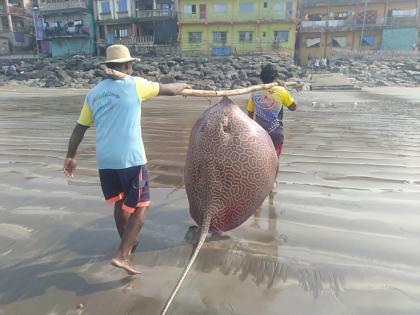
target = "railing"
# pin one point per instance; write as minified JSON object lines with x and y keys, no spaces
{"x":155,"y":13}
{"x":52,"y":32}
{"x":71,"y":4}
{"x":14,"y":10}
{"x":136,"y":41}
{"x":400,"y":21}
{"x":352,"y":23}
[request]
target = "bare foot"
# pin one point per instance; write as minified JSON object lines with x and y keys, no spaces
{"x":126,"y":265}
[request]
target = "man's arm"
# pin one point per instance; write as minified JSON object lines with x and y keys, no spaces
{"x":74,"y":142}
{"x":292,"y":107}
{"x":172,"y":88}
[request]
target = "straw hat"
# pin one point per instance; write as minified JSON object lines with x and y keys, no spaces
{"x":118,"y":54}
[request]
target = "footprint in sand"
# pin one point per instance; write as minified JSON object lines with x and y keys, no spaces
{"x":75,"y":312}
{"x":128,"y":288}
{"x":89,"y":264}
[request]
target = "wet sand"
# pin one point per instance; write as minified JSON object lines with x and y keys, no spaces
{"x":342,"y":237}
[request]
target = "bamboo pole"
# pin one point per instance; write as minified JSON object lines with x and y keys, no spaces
{"x":116,"y":75}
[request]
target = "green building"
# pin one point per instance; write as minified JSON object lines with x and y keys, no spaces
{"x":68,"y":27}
{"x":217,"y":27}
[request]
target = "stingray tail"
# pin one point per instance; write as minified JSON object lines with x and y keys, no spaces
{"x":202,"y":239}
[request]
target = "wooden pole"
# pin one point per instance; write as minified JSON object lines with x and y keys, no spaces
{"x":116,"y":75}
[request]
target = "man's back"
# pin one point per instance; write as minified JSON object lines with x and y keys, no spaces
{"x":116,"y":109}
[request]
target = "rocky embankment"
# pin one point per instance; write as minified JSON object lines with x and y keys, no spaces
{"x":380,"y":71}
{"x":200,"y":72}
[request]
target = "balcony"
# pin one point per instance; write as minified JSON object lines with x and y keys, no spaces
{"x":144,"y":41}
{"x":155,"y":14}
{"x":14,"y":11}
{"x":69,"y":32}
{"x":70,"y":5}
{"x":401,"y":21}
{"x":338,"y":25}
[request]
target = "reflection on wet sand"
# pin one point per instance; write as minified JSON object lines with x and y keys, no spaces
{"x":339,"y":238}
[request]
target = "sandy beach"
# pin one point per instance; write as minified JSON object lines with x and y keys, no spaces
{"x":342,"y":237}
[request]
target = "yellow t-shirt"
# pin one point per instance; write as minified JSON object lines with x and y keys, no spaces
{"x":268,"y":107}
{"x":272,"y":99}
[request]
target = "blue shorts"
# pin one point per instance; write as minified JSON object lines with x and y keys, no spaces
{"x":131,"y":185}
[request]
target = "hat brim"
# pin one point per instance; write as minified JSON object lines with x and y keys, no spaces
{"x":120,"y":60}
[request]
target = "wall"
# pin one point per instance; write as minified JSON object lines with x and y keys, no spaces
{"x":399,"y":38}
{"x":402,"y":6}
{"x":327,"y":50}
{"x":276,"y":9}
{"x":70,"y":46}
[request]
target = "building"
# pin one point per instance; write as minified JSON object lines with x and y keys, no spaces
{"x":68,"y":27}
{"x":327,"y":27}
{"x":400,"y":25}
{"x":215,"y":27}
{"x":139,"y":24}
{"x":16,"y":26}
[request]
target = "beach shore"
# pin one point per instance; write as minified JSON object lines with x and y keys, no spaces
{"x":341,"y":238}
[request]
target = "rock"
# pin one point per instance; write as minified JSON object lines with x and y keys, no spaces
{"x":167,"y":79}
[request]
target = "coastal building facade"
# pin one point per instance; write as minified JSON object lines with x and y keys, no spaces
{"x":356,"y":25}
{"x":16,"y":26}
{"x":215,"y":27}
{"x":68,"y":27}
{"x":138,"y":24}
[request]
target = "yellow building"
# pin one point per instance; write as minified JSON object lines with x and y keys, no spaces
{"x":327,"y":28}
{"x":216,"y":27}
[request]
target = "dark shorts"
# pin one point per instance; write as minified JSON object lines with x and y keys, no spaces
{"x":275,"y":134}
{"x":131,"y":185}
{"x":277,"y":138}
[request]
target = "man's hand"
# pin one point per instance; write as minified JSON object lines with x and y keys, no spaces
{"x":69,"y":167}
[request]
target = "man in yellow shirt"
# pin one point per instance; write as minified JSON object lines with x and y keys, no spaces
{"x":268,"y":107}
{"x":114,"y":106}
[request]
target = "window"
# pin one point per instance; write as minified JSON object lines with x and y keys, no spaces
{"x":219,"y":36}
{"x":289,"y":9}
{"x":245,"y":36}
{"x":264,"y":34}
{"x":281,"y":36}
{"x":105,"y":8}
{"x":220,"y":8}
{"x":368,"y":41}
{"x":265,"y":4}
{"x":246,"y":7}
{"x":339,"y":41}
{"x":313,"y":42}
{"x":121,"y":33}
{"x":122,"y":6}
{"x":194,"y":37}
{"x":190,"y":9}
{"x":277,"y":6}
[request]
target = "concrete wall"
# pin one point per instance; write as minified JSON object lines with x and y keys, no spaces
{"x":399,"y":38}
{"x":276,"y":9}
{"x":71,"y":46}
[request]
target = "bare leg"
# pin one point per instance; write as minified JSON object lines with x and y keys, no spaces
{"x":121,"y":219}
{"x":129,"y":240}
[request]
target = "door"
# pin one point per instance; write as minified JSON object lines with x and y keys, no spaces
{"x":203,"y":13}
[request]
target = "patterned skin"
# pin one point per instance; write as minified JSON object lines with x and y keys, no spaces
{"x":230,"y":169}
